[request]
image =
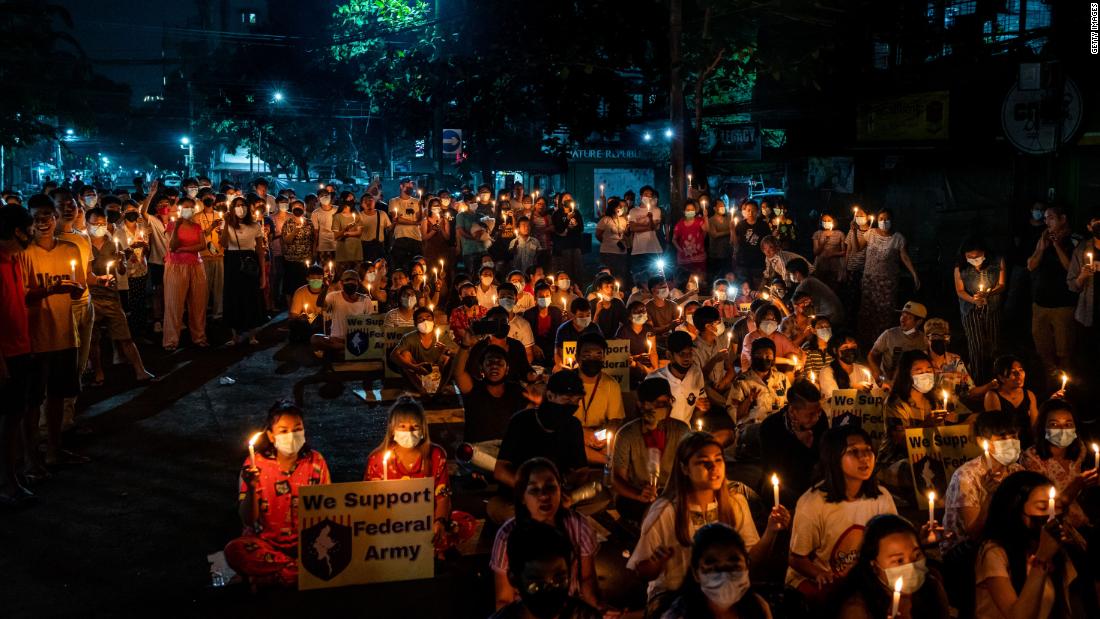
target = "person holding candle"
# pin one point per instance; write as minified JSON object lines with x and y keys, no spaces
{"x":1080,"y":277}
{"x":347,"y":230}
{"x":776,"y":259}
{"x":664,"y":313}
{"x":402,"y":315}
{"x":298,"y":242}
{"x":375,"y":225}
{"x":544,"y":319}
{"x":767,"y":317}
{"x":1024,"y":565}
{"x":609,"y":311}
{"x":413,"y":456}
{"x":420,"y":353}
{"x":338,"y":305}
{"x":245,"y":254}
{"x":645,"y":219}
{"x":569,"y":237}
{"x":798,"y":326}
{"x":697,"y":494}
{"x":572,"y":330}
{"x":131,"y":235}
{"x":688,"y":237}
{"x":106,"y":265}
{"x":979,"y":284}
{"x":267,"y":550}
{"x":17,"y":227}
{"x":325,"y":247}
{"x":829,"y":252}
{"x":612,"y":231}
{"x":790,"y":441}
{"x":912,"y":403}
{"x":305,"y":307}
{"x":602,"y":405}
{"x":891,"y":550}
{"x":747,"y":234}
{"x":855,"y":257}
{"x":467,"y":311}
{"x":1061,"y":456}
{"x":184,"y":279}
{"x":886,"y":251}
{"x":844,"y":371}
{"x":891,"y":343}
{"x":1053,"y":299}
{"x":717,"y":582}
{"x":758,"y":392}
{"x":952,"y":374}
{"x":1012,"y":398}
{"x":830,"y":517}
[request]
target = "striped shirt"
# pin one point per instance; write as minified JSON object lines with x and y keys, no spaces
{"x":581,"y":534}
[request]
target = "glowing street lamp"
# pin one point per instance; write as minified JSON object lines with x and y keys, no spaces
{"x":668,"y":133}
{"x":278,"y":96}
{"x":647,"y":136}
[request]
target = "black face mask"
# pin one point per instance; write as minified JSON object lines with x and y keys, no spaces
{"x":501,"y":330}
{"x":553,"y":414}
{"x":546,"y":604}
{"x":591,"y":367}
{"x":469,"y":301}
{"x":938,"y":346}
{"x":113,"y":216}
{"x":849,"y":356}
{"x":131,"y":216}
{"x":351,"y":288}
{"x":298,"y":212}
{"x":761,"y":364}
{"x":680,"y":369}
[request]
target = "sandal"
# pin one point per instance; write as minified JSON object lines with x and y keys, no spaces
{"x":68,"y":458}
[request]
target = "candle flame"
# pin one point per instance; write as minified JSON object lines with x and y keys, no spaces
{"x":1096,"y":447}
{"x":985,"y":446}
{"x":255,"y":437}
{"x":386,"y":456}
{"x":897,"y":585}
{"x":931,"y":496}
{"x":775,"y":479}
{"x":1052,"y":492}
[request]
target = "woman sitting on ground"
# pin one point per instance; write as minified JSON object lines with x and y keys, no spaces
{"x":717,"y":585}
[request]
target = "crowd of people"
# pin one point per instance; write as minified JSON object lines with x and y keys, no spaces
{"x":736,"y":341}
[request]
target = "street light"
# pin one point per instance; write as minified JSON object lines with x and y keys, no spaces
{"x":106,"y":160}
{"x":185,"y":140}
{"x":278,"y":96}
{"x":647,"y":136}
{"x":668,"y":133}
{"x":189,"y":158}
{"x":68,"y":132}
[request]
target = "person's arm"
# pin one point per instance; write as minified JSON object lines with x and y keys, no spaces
{"x":600,"y":230}
{"x":903,"y":253}
{"x":462,"y":378}
{"x":960,"y":288}
{"x":819,"y":244}
{"x":248,"y":509}
{"x":804,"y":566}
{"x":148,"y":202}
{"x":991,"y":401}
{"x":589,"y":586}
{"x":1027,"y":604}
{"x":874,"y":361}
{"x":1077,"y":275}
{"x":505,"y":594}
{"x":1036,"y":256}
{"x":505,"y":473}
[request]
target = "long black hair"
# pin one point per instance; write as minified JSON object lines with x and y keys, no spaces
{"x":972,"y":243}
{"x":281,"y":408}
{"x":865,"y":583}
{"x":1039,"y":432}
{"x":840,"y":375}
{"x":523,"y":479}
{"x":1005,"y":525}
{"x":833,"y":444}
{"x":690,"y":600}
{"x":903,"y":378}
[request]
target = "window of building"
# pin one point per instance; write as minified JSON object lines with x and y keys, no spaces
{"x":248,"y":18}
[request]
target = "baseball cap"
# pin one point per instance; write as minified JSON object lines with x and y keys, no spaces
{"x":915,"y":309}
{"x":937,"y":326}
{"x":565,"y":382}
{"x":349,"y":276}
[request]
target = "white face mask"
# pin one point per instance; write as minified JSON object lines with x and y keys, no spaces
{"x":861,"y":221}
{"x":582,"y":323}
{"x":408,"y":302}
{"x":976,"y":262}
{"x":186,"y":213}
{"x":371,"y":276}
{"x":1006,"y":451}
{"x":639,"y":319}
{"x":884,"y":224}
{"x":97,"y":231}
{"x":662,"y":293}
{"x":238,"y":211}
{"x":407,"y":439}
{"x":445,"y":201}
{"x":689,"y":214}
{"x":290,"y":443}
{"x":563,"y":284}
{"x":325,"y":200}
{"x":719,"y":328}
{"x":90,"y":201}
{"x":507,"y":303}
{"x":484,"y":197}
{"x":436,"y":211}
{"x":283,"y":206}
{"x":909,"y":332}
{"x":768,"y":326}
{"x":425,"y":327}
{"x":924,"y":382}
{"x":911,"y":575}
{"x":649,"y":202}
{"x":828,"y":225}
{"x":486,"y":280}
{"x":725,"y":589}
{"x":191,"y":192}
{"x":1061,"y":437}
{"x":824,"y":334}
{"x":543,"y":301}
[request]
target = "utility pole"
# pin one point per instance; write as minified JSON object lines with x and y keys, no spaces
{"x":676,"y":105}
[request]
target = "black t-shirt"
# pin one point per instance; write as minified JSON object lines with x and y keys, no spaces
{"x":567,"y":332}
{"x":788,"y":457}
{"x":487,"y":416}
{"x":526,"y":439}
{"x":749,"y":253}
{"x":610,"y":319}
{"x":518,"y":366}
{"x":1048,"y":282}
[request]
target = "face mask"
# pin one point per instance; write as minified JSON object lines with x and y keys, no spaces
{"x":547,"y":603}
{"x":861,"y":221}
{"x":1061,"y":437}
{"x":582,"y":323}
{"x":689,"y":214}
{"x":1007,"y":451}
{"x":186,"y":213}
{"x":371,"y":275}
{"x":768,"y":326}
{"x":911,"y":575}
{"x":563,"y":284}
{"x":407,"y":302}
{"x":486,"y":280}
{"x":828,"y":225}
{"x":298,"y":212}
{"x":1036,"y":214}
{"x":648,"y":202}
{"x":191,"y":192}
{"x":508,"y":304}
{"x":350,"y":289}
{"x":518,"y":286}
{"x":719,"y":328}
{"x":326,"y":200}
{"x":639,"y":319}
{"x":591,"y":367}
{"x":315,"y":284}
{"x":938,"y":346}
{"x":283,"y":206}
{"x":445,"y":201}
{"x":407,"y":439}
{"x":113,"y":216}
{"x":238,"y":211}
{"x":131,"y":216}
{"x":761,"y":364}
{"x":98,"y":231}
{"x":543,"y":301}
{"x":90,"y":201}
{"x":618,"y":212}
{"x":924,"y":382}
{"x":824,"y":334}
{"x":724,"y":589}
{"x":662,"y":293}
{"x":483,"y":197}
{"x":849,"y":356}
{"x":436,"y":211}
{"x":884,"y":224}
{"x":651,"y":417}
{"x":720,"y":295}
{"x":469,"y":301}
{"x":290,"y":443}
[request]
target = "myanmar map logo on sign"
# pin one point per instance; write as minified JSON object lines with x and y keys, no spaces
{"x":326,"y":549}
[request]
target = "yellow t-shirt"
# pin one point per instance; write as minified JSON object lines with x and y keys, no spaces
{"x":52,"y":323}
{"x":603,"y":401}
{"x":85,"y":246}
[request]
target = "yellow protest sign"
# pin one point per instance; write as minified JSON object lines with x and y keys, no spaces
{"x":568,"y":354}
{"x":865,"y":406}
{"x":935,"y":453}
{"x":616,"y":362}
{"x":364,"y":532}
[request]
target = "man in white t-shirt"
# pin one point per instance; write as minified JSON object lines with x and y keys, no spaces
{"x":322,"y":223}
{"x":338,"y":306}
{"x":644,"y":220}
{"x":518,"y":327}
{"x":686,"y":380}
{"x":406,"y":214}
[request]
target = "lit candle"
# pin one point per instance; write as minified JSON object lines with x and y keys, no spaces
{"x":331,"y":269}
{"x":307,"y":264}
{"x":897,"y":598}
{"x":252,"y":447}
{"x":696,"y":278}
{"x":794,"y":360}
{"x":649,"y":345}
{"x":775,"y":488}
{"x":1096,"y":457}
{"x":729,"y":338}
{"x":1065,"y":379}
{"x":1088,"y":255}
{"x":944,"y":392}
{"x":1050,"y":505}
{"x":872,"y":220}
{"x":867,"y":373}
{"x":689,"y":179}
{"x":736,"y":220}
{"x":931,"y":508}
{"x":494,"y":299}
{"x":386,"y":465}
{"x":679,"y":311}
{"x":305,"y":308}
{"x":699,"y":425}
{"x":72,"y":269}
{"x":110,"y":265}
{"x":563,"y":306}
{"x":764,"y":295}
{"x":813,"y":377}
{"x":431,"y":308}
{"x":437,"y":332}
{"x":616,"y":286}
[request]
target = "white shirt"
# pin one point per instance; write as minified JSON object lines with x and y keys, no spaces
{"x":519,"y":329}
{"x":338,"y":309}
{"x":242,"y":237}
{"x":486,"y":298}
{"x":645,"y":242}
{"x":396,"y":208}
{"x":686,"y":391}
{"x":859,"y":376}
{"x":322,"y":223}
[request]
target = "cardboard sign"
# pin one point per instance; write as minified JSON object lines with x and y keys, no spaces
{"x":935,"y":453}
{"x":360,"y":342}
{"x":365,"y":531}
{"x":616,"y":362}
{"x":864,"y":406}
